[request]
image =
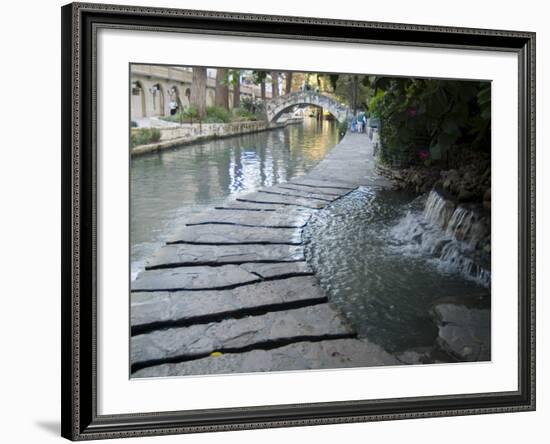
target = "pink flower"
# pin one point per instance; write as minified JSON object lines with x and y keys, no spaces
{"x":423,"y":154}
{"x":412,"y":111}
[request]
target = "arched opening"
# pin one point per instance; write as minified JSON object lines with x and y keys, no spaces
{"x":157,"y":100}
{"x":138,"y":109}
{"x":305,"y":110}
{"x":276,"y":107}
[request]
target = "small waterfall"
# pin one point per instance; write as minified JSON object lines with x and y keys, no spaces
{"x":457,"y":236}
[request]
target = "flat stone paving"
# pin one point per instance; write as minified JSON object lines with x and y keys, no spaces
{"x":336,"y":353}
{"x":316,"y":321}
{"x":231,"y":291}
{"x":182,"y":307}
{"x":271,"y":219}
{"x":214,"y":234}
{"x":180,"y":255}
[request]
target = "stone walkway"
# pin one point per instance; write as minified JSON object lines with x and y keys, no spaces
{"x":232,"y":291}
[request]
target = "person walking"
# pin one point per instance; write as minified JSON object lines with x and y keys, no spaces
{"x":360,"y":123}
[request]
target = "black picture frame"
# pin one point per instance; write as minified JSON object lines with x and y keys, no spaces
{"x":80,"y":22}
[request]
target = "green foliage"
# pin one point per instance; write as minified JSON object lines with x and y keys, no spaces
{"x":191,"y":112}
{"x":256,"y":108}
{"x":144,"y":136}
{"x":133,"y":124}
{"x":333,"y":80}
{"x":188,"y":115}
{"x":342,"y":127}
{"x":423,"y":119}
{"x":242,"y":114}
{"x":355,"y":90}
{"x":217,"y":114}
{"x":259,"y":76}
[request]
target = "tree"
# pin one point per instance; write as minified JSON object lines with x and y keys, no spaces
{"x":198,"y":91}
{"x":259,"y":79}
{"x":353,"y":89}
{"x":288,"y":82}
{"x":236,"y":82}
{"x":274,"y":84}
{"x":222,"y":89}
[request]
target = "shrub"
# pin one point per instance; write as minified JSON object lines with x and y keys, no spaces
{"x":256,"y":108}
{"x":242,"y":114}
{"x":144,"y":136}
{"x":133,"y":124}
{"x":430,"y":115}
{"x":216,"y":114}
{"x":187,"y":115}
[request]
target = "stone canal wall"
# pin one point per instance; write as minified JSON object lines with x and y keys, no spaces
{"x":188,"y":133}
{"x":232,"y":291}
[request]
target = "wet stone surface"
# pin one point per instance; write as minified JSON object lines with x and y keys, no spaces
{"x":325,"y":184}
{"x":278,"y":219}
{"x":193,"y":278}
{"x":336,"y":353}
{"x":464,"y":332}
{"x":317,"y":321}
{"x":250,"y":207}
{"x":229,"y":235}
{"x":267,"y":271}
{"x":188,"y":254}
{"x":279,"y":191}
{"x":260,"y":197}
{"x":164,"y":307}
{"x":325,"y":192}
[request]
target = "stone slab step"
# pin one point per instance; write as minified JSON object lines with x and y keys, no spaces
{"x":278,"y":219}
{"x":337,"y":353}
{"x":250,"y":207}
{"x":323,"y":183}
{"x":278,"y":191}
{"x":175,"y":255}
{"x":317,"y":321}
{"x":268,"y":271}
{"x":193,"y":278}
{"x":235,"y":234}
{"x":329,"y":192}
{"x":283,"y":200}
{"x":165,"y":308}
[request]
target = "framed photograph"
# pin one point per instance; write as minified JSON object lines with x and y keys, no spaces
{"x":276,"y":221}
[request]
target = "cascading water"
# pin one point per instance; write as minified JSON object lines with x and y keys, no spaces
{"x":457,"y":237}
{"x":377,"y":254}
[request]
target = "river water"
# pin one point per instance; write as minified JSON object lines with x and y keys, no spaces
{"x":166,"y":187}
{"x":383,"y":281}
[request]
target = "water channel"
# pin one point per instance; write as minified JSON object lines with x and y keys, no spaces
{"x":168,"y":186}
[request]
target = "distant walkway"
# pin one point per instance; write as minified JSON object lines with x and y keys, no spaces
{"x":232,"y":291}
{"x":154,"y":122}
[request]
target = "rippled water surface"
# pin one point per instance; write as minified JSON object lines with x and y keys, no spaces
{"x":384,"y":291}
{"x":167,"y":186}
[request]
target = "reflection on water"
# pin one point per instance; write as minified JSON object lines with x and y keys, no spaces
{"x":167,"y":186}
{"x":385,"y":293}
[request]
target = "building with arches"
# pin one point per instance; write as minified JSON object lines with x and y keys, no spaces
{"x":153,"y":87}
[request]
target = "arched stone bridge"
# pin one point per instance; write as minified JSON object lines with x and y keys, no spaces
{"x":279,"y":105}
